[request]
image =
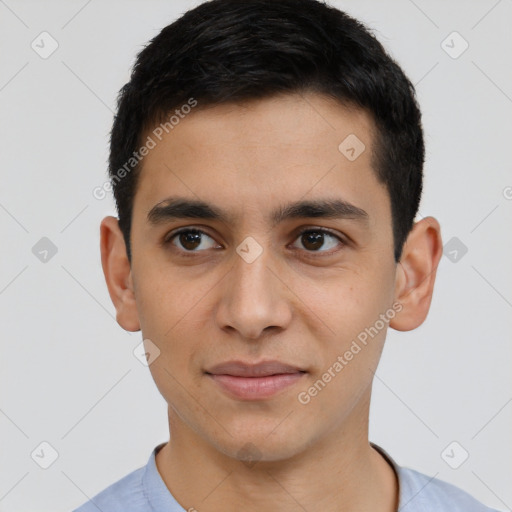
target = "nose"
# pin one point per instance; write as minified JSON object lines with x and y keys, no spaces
{"x":253,"y":298}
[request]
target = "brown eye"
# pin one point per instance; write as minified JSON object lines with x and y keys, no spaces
{"x":315,"y":239}
{"x":191,"y":240}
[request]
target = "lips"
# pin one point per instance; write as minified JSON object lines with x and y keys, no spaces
{"x":263,"y":369}
{"x":259,"y":381}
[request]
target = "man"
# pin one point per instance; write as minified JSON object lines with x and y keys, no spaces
{"x":266,"y":161}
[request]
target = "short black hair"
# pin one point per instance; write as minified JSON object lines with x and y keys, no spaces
{"x":239,"y":50}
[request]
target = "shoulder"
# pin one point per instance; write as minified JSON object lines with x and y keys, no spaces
{"x":125,"y":495}
{"x":141,"y":490}
{"x":423,"y":493}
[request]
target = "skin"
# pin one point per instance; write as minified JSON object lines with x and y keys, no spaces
{"x":292,"y":303}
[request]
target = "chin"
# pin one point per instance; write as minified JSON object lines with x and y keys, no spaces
{"x":263,"y":443}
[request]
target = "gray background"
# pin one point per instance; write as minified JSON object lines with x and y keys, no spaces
{"x":68,"y":373}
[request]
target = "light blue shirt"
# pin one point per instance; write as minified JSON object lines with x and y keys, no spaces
{"x":143,"y":490}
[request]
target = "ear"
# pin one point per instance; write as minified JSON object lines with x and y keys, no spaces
{"x":118,"y":275}
{"x":416,"y":273}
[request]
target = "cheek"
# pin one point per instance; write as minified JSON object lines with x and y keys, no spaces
{"x":346,"y":303}
{"x":166,"y":314}
{"x":351,"y":307}
{"x":168,"y":298}
{"x":176,"y":368}
{"x":349,"y":357}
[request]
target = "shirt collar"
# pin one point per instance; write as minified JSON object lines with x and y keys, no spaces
{"x":160,"y":498}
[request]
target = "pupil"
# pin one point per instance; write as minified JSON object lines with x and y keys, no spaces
{"x":316,"y":239}
{"x":190,"y":240}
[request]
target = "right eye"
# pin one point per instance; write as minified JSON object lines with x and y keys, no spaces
{"x":189,"y":240}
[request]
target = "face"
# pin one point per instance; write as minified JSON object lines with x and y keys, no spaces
{"x":236,"y":280}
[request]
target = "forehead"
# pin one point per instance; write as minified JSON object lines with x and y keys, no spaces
{"x":253,"y":156}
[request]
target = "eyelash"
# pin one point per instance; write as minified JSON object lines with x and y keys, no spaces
{"x":171,"y":236}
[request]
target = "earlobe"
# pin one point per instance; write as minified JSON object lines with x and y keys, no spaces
{"x":118,"y":274}
{"x":416,"y":272}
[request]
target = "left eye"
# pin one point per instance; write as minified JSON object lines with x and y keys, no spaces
{"x":313,"y":239}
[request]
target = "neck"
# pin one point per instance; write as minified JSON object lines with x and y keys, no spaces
{"x":340,"y":472}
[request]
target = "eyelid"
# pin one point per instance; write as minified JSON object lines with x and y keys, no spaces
{"x":336,"y":234}
{"x":167,"y":239}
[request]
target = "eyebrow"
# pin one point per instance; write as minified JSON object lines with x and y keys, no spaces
{"x":174,"y":208}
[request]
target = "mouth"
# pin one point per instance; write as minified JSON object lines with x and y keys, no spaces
{"x":254,"y":381}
